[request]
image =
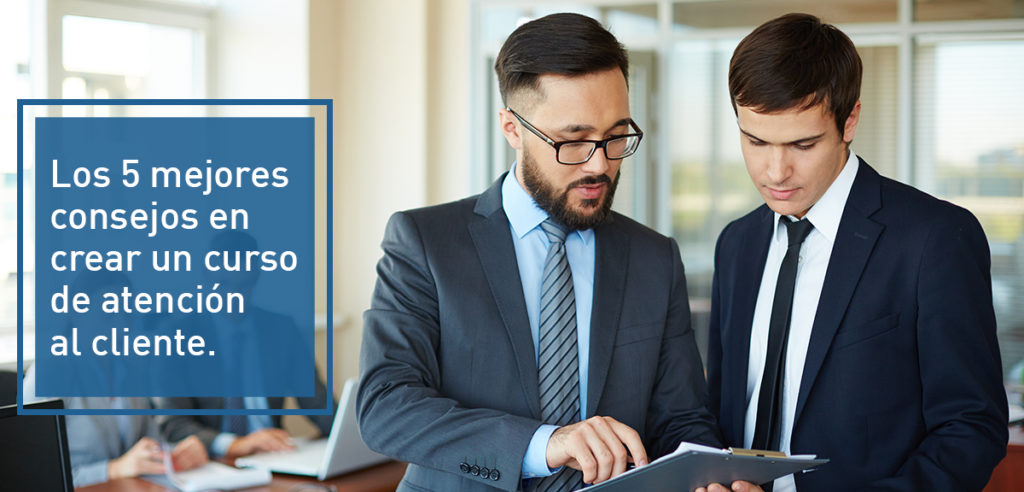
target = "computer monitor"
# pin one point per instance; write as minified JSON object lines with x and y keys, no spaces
{"x":34,"y":454}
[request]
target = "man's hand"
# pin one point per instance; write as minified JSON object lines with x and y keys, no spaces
{"x":737,"y":486}
{"x":262,"y":440}
{"x":597,"y":446}
{"x":144,"y":458}
{"x":189,"y":454}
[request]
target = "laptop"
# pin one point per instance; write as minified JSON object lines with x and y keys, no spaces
{"x":342,"y":452}
{"x":34,"y":454}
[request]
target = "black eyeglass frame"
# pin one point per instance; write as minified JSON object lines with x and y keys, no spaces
{"x":598,"y":144}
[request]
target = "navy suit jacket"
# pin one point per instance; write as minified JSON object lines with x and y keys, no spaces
{"x":902,"y":385}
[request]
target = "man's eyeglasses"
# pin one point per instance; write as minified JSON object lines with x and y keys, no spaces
{"x":573,"y":152}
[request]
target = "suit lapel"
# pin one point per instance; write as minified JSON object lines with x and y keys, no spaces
{"x":611,"y":265}
{"x":749,"y":270}
{"x":492,"y":238}
{"x":854,"y":242}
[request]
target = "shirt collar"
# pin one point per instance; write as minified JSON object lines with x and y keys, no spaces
{"x":522,"y":211}
{"x":828,"y":211}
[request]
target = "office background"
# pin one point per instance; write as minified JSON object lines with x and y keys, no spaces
{"x":415,"y":102}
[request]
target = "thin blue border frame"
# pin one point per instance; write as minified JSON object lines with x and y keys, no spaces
{"x":329,"y":104}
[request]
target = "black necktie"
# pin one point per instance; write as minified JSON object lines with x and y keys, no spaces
{"x":768,"y":429}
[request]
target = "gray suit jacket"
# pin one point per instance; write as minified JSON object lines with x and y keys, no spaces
{"x":449,"y":375}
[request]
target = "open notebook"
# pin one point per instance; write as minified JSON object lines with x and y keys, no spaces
{"x":211,"y":476}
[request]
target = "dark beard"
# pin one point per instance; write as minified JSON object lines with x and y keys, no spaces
{"x":555,"y":203}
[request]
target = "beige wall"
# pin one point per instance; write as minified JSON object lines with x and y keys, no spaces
{"x":260,"y":49}
{"x":398,"y":73}
{"x":448,"y":93}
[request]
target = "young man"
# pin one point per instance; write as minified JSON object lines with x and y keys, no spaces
{"x":851,"y":314}
{"x":521,"y":335}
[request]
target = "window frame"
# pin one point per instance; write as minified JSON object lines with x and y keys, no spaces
{"x":47,"y":71}
{"x":169,"y":13}
{"x":653,"y":192}
{"x":904,"y":33}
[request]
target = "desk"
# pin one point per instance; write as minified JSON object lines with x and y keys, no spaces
{"x":1009,"y":475}
{"x":380,"y":478}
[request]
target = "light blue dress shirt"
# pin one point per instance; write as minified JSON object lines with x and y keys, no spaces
{"x":531,"y":246}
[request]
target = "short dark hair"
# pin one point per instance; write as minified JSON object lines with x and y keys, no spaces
{"x":563,"y":44}
{"x":795,"y":60}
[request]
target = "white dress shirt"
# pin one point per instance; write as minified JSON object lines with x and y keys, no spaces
{"x":810,"y":276}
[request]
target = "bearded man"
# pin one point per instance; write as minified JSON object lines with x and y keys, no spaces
{"x":529,"y":337}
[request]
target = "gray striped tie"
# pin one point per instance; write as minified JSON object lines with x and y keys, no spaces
{"x":558,"y":361}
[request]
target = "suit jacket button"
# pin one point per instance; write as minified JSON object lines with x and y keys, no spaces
{"x":475,"y":470}
{"x":464,"y":467}
{"x":495,"y":475}
{"x":485,"y":473}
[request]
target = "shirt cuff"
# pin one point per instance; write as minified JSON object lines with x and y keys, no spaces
{"x":91,"y":473}
{"x":535,"y":463}
{"x":221,"y":443}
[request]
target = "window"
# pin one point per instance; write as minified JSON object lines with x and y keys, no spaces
{"x":15,"y":79}
{"x":92,"y":50}
{"x":969,"y":149}
{"x":941,"y":111}
{"x":152,"y":61}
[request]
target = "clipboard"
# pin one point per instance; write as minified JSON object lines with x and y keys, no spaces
{"x":688,"y":469}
